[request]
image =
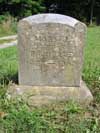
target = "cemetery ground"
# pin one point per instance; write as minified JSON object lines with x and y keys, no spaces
{"x":63,"y":117}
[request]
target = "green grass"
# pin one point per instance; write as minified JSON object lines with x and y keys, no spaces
{"x":63,"y":117}
{"x":92,"y":50}
{"x":6,"y":41}
{"x":8,"y":65}
{"x":91,"y":68}
{"x":8,"y":27}
{"x":6,"y":32}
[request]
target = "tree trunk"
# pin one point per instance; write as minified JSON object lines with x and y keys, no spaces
{"x":92,"y":11}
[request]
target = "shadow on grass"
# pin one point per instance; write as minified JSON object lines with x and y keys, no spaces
{"x":5,"y":79}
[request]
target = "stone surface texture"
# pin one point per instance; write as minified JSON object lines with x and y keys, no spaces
{"x":50,"y":50}
{"x":44,"y":95}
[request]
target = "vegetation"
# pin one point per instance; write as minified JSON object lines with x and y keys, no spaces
{"x":87,"y":10}
{"x":63,"y":117}
{"x":8,"y":26}
{"x":91,"y":69}
{"x":8,"y":65}
{"x":6,"y":41}
{"x":68,"y":117}
{"x":21,"y":8}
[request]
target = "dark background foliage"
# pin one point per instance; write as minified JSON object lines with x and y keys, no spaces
{"x":86,"y":10}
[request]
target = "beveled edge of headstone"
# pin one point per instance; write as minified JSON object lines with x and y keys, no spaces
{"x":51,"y":18}
{"x":36,"y":96}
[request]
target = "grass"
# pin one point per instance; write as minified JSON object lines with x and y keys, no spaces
{"x":91,"y":68}
{"x":8,"y":65}
{"x":8,"y":27}
{"x":6,"y":41}
{"x":63,"y":117}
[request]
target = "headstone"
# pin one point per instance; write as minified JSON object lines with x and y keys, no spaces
{"x":50,"y":50}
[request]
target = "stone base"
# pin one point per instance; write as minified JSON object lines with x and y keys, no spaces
{"x":43,"y":95}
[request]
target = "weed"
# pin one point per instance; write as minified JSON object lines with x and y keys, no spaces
{"x":8,"y":26}
{"x":8,"y":65}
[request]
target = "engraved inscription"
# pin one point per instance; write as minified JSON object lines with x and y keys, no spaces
{"x":47,"y":45}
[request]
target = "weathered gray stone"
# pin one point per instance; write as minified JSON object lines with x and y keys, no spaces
{"x":50,"y":50}
{"x":44,"y":95}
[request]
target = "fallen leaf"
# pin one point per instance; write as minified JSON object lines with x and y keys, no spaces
{"x":3,"y":114}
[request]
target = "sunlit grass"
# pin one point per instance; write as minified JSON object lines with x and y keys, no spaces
{"x":8,"y":64}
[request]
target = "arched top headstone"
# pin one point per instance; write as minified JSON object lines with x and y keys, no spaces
{"x":51,"y":18}
{"x":50,"y":50}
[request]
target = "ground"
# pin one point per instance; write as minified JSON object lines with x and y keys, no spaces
{"x":63,"y":117}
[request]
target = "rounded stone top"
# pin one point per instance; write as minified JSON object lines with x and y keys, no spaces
{"x":51,"y":18}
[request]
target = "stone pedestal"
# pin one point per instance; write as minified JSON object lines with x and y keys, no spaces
{"x":44,"y":95}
